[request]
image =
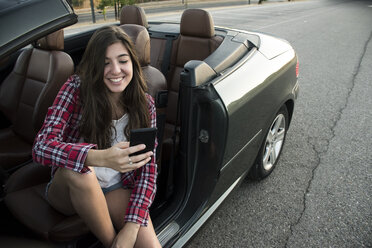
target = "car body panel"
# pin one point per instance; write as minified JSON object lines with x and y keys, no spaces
{"x":271,"y":46}
{"x":251,"y":104}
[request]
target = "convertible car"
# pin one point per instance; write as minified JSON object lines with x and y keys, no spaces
{"x":225,"y":99}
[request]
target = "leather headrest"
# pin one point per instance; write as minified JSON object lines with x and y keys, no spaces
{"x":141,"y":40}
{"x":197,"y":23}
{"x":53,"y":41}
{"x":132,"y":14}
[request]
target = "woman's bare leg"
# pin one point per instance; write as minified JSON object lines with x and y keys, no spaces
{"x":117,"y":201}
{"x":147,"y":237}
{"x":72,"y":192}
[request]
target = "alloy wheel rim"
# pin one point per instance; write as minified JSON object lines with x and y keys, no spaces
{"x":274,"y":142}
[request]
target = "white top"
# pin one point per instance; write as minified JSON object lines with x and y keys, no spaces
{"x":107,"y":176}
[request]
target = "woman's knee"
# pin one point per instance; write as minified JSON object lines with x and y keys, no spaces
{"x":67,"y":182}
{"x":76,"y":179}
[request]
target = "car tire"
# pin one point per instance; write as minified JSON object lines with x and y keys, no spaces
{"x":272,"y":146}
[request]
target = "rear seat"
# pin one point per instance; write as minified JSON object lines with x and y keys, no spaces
{"x":155,"y":79}
{"x":136,"y":15}
{"x":132,"y":14}
{"x":197,"y":40}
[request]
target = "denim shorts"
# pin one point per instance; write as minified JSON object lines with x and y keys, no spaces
{"x":112,"y":187}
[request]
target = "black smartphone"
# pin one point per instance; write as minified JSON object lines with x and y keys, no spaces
{"x":143,"y":136}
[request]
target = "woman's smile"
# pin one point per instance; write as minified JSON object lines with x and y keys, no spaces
{"x":116,"y":81}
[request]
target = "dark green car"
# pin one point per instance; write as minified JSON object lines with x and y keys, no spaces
{"x":224,"y":98}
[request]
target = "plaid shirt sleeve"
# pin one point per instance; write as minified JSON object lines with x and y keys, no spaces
{"x":55,"y":143}
{"x":145,"y":185}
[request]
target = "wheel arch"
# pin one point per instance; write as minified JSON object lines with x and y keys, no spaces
{"x":290,"y":108}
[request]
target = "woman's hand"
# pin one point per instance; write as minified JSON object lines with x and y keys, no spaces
{"x":118,"y":157}
{"x":127,"y":236}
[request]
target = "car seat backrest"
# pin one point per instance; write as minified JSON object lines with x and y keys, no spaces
{"x":141,"y":39}
{"x":35,"y":80}
{"x":197,"y":41}
{"x":133,"y":15}
{"x":10,"y":89}
{"x":197,"y":23}
{"x":60,"y":67}
{"x":136,"y":15}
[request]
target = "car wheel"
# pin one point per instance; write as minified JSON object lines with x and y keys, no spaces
{"x":271,"y":147}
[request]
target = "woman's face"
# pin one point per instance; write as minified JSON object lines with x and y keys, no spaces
{"x":118,"y":71}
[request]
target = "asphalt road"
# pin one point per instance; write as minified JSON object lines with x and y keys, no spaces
{"x":320,"y":194}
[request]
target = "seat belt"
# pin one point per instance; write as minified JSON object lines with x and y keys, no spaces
{"x":169,"y":37}
{"x":167,"y":54}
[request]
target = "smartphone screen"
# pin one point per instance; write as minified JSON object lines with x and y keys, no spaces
{"x":143,"y":136}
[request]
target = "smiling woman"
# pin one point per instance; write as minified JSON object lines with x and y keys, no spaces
{"x":90,"y":181}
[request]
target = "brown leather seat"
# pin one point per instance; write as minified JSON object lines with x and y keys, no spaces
{"x":154,"y":78}
{"x":25,"y":198}
{"x":132,"y":14}
{"x":197,"y":41}
{"x":25,"y":188}
{"x":26,"y":94}
{"x":136,"y":15}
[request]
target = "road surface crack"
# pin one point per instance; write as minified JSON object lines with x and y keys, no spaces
{"x":320,"y":154}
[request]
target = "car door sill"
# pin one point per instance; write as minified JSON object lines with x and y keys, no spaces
{"x":182,"y":241}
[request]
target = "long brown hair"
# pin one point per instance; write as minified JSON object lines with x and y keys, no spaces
{"x":97,"y":114}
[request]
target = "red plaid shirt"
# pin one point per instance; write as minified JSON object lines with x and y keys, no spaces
{"x":57,"y":145}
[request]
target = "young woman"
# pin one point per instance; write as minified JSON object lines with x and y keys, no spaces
{"x":84,"y":139}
